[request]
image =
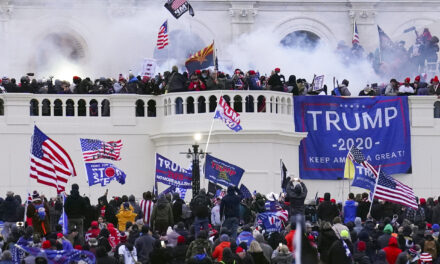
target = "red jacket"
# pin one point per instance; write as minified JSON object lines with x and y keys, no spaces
{"x":392,"y":251}
{"x":196,"y":86}
{"x":289,"y":238}
{"x":218,"y":251}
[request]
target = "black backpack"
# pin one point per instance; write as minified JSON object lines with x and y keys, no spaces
{"x":199,"y":207}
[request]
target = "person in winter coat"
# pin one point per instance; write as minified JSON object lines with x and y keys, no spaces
{"x":275,"y":81}
{"x":342,"y":90}
{"x":218,"y":251}
{"x":381,"y":258}
{"x":256,"y":253}
{"x":341,"y":251}
{"x":196,"y":84}
{"x":177,"y":208}
{"x":436,"y":212}
{"x":258,"y":204}
{"x":326,"y":238}
{"x":126,"y":214}
{"x":9,"y":209}
{"x":282,"y":255}
{"x":106,"y":210}
{"x":144,"y":245}
{"x":363,"y":207}
{"x":350,"y":208}
{"x":199,"y":246}
{"x":267,"y":249}
{"x":296,"y":193}
{"x":162,"y":215}
{"x":392,"y":251}
{"x":200,"y":206}
{"x":93,"y":232}
{"x":230,"y":209}
{"x":327,"y":210}
{"x":384,"y":239}
{"x":103,"y":240}
{"x":75,"y":208}
{"x":338,"y":227}
{"x":360,"y":257}
{"x":38,"y":211}
{"x":245,"y":236}
{"x":357,"y":225}
{"x":176,"y":81}
{"x":135,"y":205}
{"x":161,"y":253}
{"x":103,"y":258}
{"x":179,"y":251}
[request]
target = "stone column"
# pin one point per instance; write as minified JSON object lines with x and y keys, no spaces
{"x":365,"y":15}
{"x":242,"y":18}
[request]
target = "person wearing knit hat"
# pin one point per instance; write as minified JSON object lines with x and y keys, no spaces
{"x":276,"y":81}
{"x":406,"y":88}
{"x":218,"y":251}
{"x":392,"y":251}
{"x":434,"y":88}
{"x":46,"y":245}
{"x":341,"y":251}
{"x":383,"y":240}
{"x":360,"y":255}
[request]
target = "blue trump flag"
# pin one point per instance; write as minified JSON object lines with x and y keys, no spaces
{"x":378,"y":126}
{"x":170,"y":173}
{"x":245,"y":192}
{"x":222,"y":172}
{"x":104,"y":173}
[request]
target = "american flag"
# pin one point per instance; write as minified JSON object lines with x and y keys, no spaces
{"x":50,"y":163}
{"x":162,"y":37}
{"x":54,"y":256}
{"x":355,"y":34}
{"x":177,"y":3}
{"x":94,"y":149}
{"x":391,"y":190}
{"x":356,"y":155}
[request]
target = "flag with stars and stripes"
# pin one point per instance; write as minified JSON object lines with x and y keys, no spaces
{"x":393,"y":191}
{"x":355,"y":157}
{"x":54,"y":256}
{"x":50,"y":163}
{"x":179,"y":7}
{"x":162,"y":36}
{"x":355,"y":34}
{"x":94,"y":149}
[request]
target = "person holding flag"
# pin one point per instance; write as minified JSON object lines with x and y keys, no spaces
{"x":296,"y":193}
{"x":38,"y":210}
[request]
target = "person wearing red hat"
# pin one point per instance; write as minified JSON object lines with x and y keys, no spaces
{"x":93,"y":231}
{"x":360,"y":255}
{"x":406,"y":88}
{"x":434,"y":88}
{"x":238,"y":80}
{"x":276,"y":81}
{"x":196,"y":84}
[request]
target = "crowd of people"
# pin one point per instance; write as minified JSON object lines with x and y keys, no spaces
{"x":224,"y":228}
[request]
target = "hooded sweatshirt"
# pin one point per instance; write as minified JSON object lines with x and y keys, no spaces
{"x":392,"y":251}
{"x":357,"y":225}
{"x":350,"y":211}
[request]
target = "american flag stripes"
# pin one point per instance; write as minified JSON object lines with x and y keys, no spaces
{"x":147,"y":209}
{"x":391,"y":190}
{"x":355,"y":34}
{"x":50,"y":163}
{"x":94,"y":149}
{"x":162,"y":37}
{"x":356,"y":155}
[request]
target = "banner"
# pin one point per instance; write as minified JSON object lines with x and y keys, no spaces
{"x":104,"y":173}
{"x":378,"y":126}
{"x":170,"y":173}
{"x":270,"y":221}
{"x":318,"y":83}
{"x":222,"y":172}
{"x":148,"y":68}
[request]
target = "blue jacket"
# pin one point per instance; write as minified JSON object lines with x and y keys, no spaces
{"x":230,"y":204}
{"x":350,"y":208}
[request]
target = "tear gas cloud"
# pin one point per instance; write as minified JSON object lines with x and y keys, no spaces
{"x":121,"y":43}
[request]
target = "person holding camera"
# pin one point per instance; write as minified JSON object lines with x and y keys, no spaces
{"x":230,"y":209}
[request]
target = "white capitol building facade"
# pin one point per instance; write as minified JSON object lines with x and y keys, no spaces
{"x":266,"y":137}
{"x":112,"y":36}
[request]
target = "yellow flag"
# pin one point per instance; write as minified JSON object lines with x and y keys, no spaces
{"x":349,"y":169}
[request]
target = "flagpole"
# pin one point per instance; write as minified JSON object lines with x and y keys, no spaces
{"x":374,"y":190}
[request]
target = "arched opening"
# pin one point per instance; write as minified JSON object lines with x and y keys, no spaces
{"x":261,"y":103}
{"x":2,"y":108}
{"x":289,"y":106}
{"x":227,"y":99}
{"x":34,"y":111}
{"x":105,"y":107}
{"x":179,"y":106}
{"x":93,"y":108}
{"x":140,"y":108}
{"x":301,"y":39}
{"x":238,"y":104}
{"x":201,"y":102}
{"x":70,"y":108}
{"x":283,"y":105}
{"x":151,"y":109}
{"x":45,"y":108}
{"x":169,"y":106}
{"x":277,"y":105}
{"x":82,"y":111}
{"x":212,"y":103}
{"x":58,"y":108}
{"x":59,"y":46}
{"x":190,"y":105}
{"x":249,"y":104}
{"x":437,"y":109}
